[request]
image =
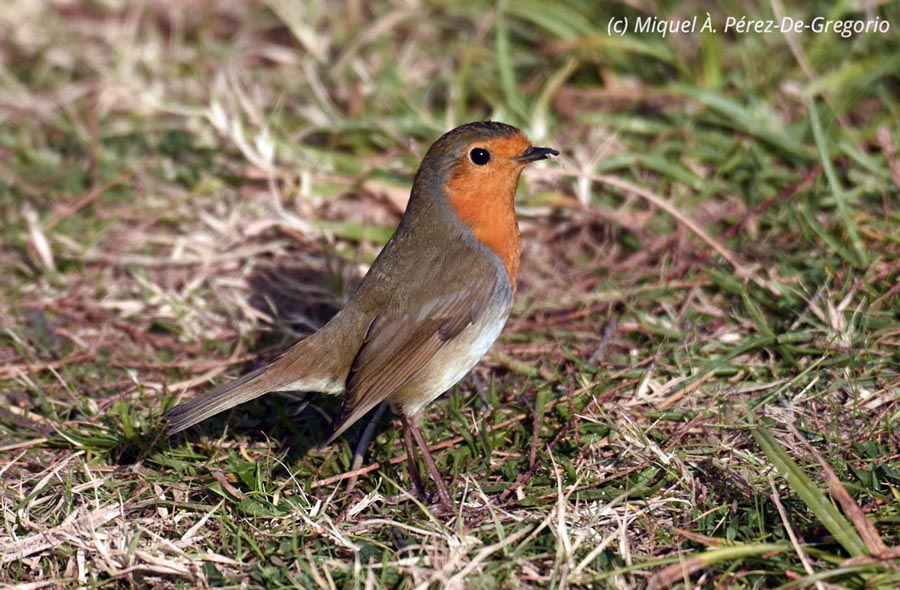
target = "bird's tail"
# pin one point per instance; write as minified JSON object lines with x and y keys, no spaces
{"x":248,"y":387}
{"x":319,"y":363}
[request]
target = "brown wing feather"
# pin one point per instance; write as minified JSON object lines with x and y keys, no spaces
{"x":400,"y":344}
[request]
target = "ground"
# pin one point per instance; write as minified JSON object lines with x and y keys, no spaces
{"x":699,"y":386}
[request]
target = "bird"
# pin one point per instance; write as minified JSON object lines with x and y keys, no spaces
{"x":431,"y":305}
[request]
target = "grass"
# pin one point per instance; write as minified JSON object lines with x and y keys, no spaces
{"x":699,"y":384}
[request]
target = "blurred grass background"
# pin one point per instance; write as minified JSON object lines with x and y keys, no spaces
{"x":699,"y":384}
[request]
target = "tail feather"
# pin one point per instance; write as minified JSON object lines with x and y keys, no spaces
{"x":344,"y":422}
{"x":201,"y":407}
{"x":319,"y":363}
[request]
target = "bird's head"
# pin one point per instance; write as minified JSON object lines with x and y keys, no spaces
{"x":476,"y":169}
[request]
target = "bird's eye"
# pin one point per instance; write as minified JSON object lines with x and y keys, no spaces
{"x":480,"y":156}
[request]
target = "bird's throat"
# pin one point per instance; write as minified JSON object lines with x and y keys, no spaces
{"x":488,"y":208}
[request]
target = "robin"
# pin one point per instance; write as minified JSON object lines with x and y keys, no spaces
{"x":432,"y":304}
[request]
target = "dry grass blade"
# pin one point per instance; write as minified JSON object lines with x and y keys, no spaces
{"x":78,"y":529}
{"x":742,"y":270}
{"x":804,"y":559}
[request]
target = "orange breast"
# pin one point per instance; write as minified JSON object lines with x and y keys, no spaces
{"x":486,"y":204}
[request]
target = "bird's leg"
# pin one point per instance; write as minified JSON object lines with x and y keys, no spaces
{"x":411,"y":459}
{"x":443,"y":494}
{"x":482,"y":388}
{"x":360,"y":453}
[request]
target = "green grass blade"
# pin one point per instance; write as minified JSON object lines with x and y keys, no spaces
{"x":505,"y":63}
{"x":837,"y":190}
{"x":739,"y":117}
{"x":810,"y":494}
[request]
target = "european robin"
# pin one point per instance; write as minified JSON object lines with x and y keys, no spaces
{"x":432,"y":304}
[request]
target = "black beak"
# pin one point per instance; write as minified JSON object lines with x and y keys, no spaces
{"x":533,"y":154}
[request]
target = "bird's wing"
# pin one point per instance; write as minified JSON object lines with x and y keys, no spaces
{"x":400,"y":342}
